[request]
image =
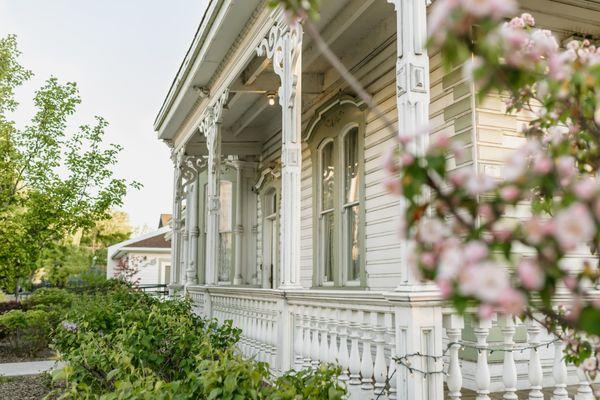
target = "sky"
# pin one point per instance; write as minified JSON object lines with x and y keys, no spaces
{"x":123,"y":54}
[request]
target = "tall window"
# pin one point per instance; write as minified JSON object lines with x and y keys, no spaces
{"x":271,"y":236}
{"x":351,"y":206}
{"x":327,"y":210}
{"x":225,"y":231}
{"x":339,"y":225}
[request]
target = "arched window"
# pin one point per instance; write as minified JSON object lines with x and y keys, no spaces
{"x":270,"y":241}
{"x":327,"y":211}
{"x":225,"y":231}
{"x":351,"y":206}
{"x":337,"y":139}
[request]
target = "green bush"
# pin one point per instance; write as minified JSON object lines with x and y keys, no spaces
{"x":123,"y":344}
{"x":50,"y":298}
{"x":26,"y":331}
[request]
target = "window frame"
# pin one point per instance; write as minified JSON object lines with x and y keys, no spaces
{"x":333,"y":125}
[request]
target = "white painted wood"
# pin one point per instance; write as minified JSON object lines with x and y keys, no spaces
{"x":454,"y":325}
{"x":380,"y":367}
{"x":535,"y":367}
{"x":482,"y":376}
{"x":343,"y":355}
{"x":559,"y":370}
{"x":366,"y":362}
{"x":284,"y":46}
{"x":584,"y":390}
{"x":509,"y":369}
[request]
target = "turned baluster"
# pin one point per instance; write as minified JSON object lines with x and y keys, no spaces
{"x":260,"y":333}
{"x":307,"y":337}
{"x":535,"y":366}
{"x":584,"y":390}
{"x":343,"y":356}
{"x":333,"y":340}
{"x":390,"y":333}
{"x":509,"y":368}
{"x":482,"y":375}
{"x":559,"y":370}
{"x":246,"y":328}
{"x":324,"y":344}
{"x":274,"y":363}
{"x":454,"y":325}
{"x":314,"y":344}
{"x":299,"y":338}
{"x":253,"y":330}
{"x":366,"y":365}
{"x":380,"y":367}
{"x":354,"y":367}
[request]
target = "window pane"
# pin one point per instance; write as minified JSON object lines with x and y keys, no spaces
{"x":327,"y":177}
{"x":327,"y":234}
{"x":352,"y":243}
{"x":224,"y":256}
{"x":351,"y":178}
{"x":225,"y":214}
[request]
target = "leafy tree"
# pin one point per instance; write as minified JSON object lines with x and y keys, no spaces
{"x":52,"y":182}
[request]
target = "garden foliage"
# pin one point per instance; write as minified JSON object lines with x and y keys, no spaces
{"x":124,"y":344}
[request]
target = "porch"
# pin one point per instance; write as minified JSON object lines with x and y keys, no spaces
{"x":391,"y":346}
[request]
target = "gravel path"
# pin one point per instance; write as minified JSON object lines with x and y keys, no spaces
{"x":24,"y":387}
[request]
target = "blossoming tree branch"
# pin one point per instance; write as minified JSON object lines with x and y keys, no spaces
{"x":457,"y":221}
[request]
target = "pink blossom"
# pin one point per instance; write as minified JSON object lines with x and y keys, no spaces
{"x":485,"y":211}
{"x":431,"y":230}
{"x":544,"y":41}
{"x":451,"y":260}
{"x":510,"y":193}
{"x":479,"y":184}
{"x":590,"y":364}
{"x":407,"y":159}
{"x":512,"y":301}
{"x":586,"y":189}
{"x":475,"y":251}
{"x":460,"y":176}
{"x":485,"y":281}
{"x":445,"y":287}
{"x":574,"y":225}
{"x":542,"y":164}
{"x":565,"y":166}
{"x":485,"y":311}
{"x":440,"y":17}
{"x":392,"y":185}
{"x":528,"y":19}
{"x":517,"y":22}
{"x":536,"y":229}
{"x":428,"y":259}
{"x":531,"y":275}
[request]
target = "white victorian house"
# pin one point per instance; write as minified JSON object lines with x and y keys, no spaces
{"x":281,"y":221}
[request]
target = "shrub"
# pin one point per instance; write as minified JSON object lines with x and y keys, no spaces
{"x":27,"y":331}
{"x":50,"y":298}
{"x":124,"y":344}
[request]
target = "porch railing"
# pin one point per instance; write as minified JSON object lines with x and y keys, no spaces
{"x":365,"y":334}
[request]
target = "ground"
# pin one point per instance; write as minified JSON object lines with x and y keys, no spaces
{"x":25,"y":387}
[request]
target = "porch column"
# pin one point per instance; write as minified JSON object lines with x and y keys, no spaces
{"x":283,"y":45}
{"x":412,"y":85}
{"x":189,"y":173}
{"x":417,"y":304}
{"x":175,"y":283}
{"x":186,"y":236}
{"x":191,"y":274}
{"x":211,"y":129}
{"x":239,"y":223}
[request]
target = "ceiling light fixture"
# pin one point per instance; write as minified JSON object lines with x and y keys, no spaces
{"x":271,"y":98}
